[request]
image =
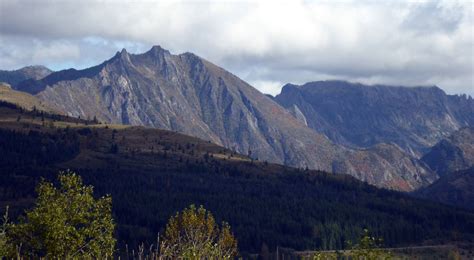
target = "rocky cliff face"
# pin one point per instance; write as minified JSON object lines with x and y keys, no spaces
{"x":190,"y":95}
{"x":357,"y":115}
{"x":386,"y":164}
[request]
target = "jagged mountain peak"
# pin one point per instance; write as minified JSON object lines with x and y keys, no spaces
{"x":123,"y":53}
{"x":157,"y":49}
{"x":157,"y":53}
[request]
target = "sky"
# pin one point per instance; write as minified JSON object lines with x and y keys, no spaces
{"x":267,"y":43}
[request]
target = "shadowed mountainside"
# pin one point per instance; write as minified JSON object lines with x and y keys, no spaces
{"x":456,"y":188}
{"x":453,"y":153}
{"x":356,"y":115}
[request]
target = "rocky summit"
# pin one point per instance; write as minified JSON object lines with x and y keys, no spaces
{"x":14,"y":77}
{"x":189,"y":94}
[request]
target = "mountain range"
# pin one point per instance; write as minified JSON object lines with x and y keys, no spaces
{"x":376,"y":133}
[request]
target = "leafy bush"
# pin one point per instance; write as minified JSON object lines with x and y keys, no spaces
{"x":66,"y":222}
{"x":194,"y":234}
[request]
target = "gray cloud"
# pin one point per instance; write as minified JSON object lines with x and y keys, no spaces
{"x":267,"y":43}
{"x":432,"y":16}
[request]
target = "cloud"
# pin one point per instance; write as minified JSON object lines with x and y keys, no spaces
{"x":267,"y":43}
{"x":434,"y":16}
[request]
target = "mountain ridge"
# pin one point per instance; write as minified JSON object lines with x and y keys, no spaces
{"x":191,"y":95}
{"x":121,"y":66}
{"x":14,"y":77}
{"x":357,"y":115}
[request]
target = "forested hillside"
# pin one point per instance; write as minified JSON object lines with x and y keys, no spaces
{"x":151,"y":174}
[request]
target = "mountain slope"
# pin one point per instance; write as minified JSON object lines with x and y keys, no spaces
{"x":188,"y":94}
{"x":452,"y":154}
{"x":356,"y":115}
{"x":389,"y":165}
{"x":22,"y":99}
{"x":14,"y":77}
{"x":152,"y":173}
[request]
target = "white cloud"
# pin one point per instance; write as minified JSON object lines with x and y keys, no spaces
{"x":264,"y":42}
{"x":267,"y":86}
{"x":56,"y":50}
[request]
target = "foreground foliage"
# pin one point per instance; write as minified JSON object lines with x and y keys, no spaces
{"x":5,"y":248}
{"x":66,"y":222}
{"x":194,"y":234}
{"x":368,"y":248}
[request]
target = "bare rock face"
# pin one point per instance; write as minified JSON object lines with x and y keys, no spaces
{"x":356,"y":115}
{"x":394,"y":168}
{"x":188,"y":94}
{"x":296,"y":112}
